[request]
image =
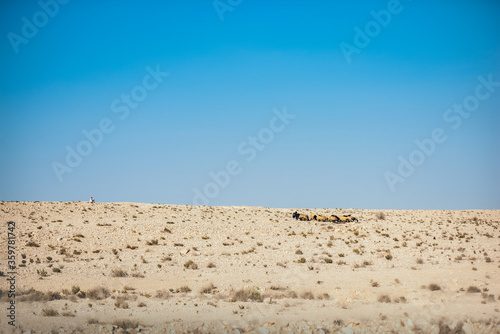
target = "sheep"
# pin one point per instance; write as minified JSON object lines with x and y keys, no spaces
{"x":344,"y":219}
{"x":321,"y":218}
{"x":333,"y":218}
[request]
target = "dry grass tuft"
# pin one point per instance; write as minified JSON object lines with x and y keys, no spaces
{"x":473,"y":289}
{"x":49,"y":312}
{"x":98,"y":293}
{"x":190,"y":265}
{"x":434,"y":287}
{"x":244,"y":295}
{"x":208,"y":288}
{"x":384,"y":299}
{"x":118,"y":273}
{"x":126,"y":324}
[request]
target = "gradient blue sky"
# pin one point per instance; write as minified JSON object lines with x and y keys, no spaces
{"x":353,"y":120}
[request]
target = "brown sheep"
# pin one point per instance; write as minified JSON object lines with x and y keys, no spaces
{"x":344,"y":219}
{"x":303,"y":217}
{"x":321,"y":218}
{"x":333,"y":218}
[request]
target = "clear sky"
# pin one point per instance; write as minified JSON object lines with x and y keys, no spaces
{"x":171,"y":93}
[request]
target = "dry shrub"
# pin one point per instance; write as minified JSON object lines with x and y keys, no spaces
{"x":307,"y":295}
{"x":98,"y":293}
{"x":446,"y":329}
{"x":473,"y":289}
{"x":118,"y":273}
{"x":137,"y":275}
{"x":33,"y":295}
{"x":208,"y":288}
{"x":185,"y":289}
{"x":380,"y":215}
{"x":121,"y":303}
{"x":190,"y":265}
{"x":49,"y":312}
{"x":244,"y":295}
{"x":162,"y":294}
{"x":384,"y":299}
{"x":434,"y":287}
{"x":68,"y":314}
{"x":126,"y":323}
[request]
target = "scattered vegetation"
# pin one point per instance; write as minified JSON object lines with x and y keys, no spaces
{"x":49,"y":312}
{"x":190,"y":265}
{"x":118,"y":273}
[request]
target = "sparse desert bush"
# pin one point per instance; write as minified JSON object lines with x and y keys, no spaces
{"x":56,"y":270}
{"x":118,"y":273}
{"x":473,"y":289}
{"x":302,"y":260}
{"x":380,"y":215}
{"x":244,"y":295}
{"x":162,"y":294}
{"x":126,"y":323}
{"x":141,"y":304}
{"x":298,"y":252}
{"x":33,"y":295}
{"x":401,"y":299}
{"x":208,"y":288}
{"x":185,"y":289}
{"x":75,"y":289}
{"x":32,"y":244}
{"x":375,"y":284}
{"x":68,"y":314}
{"x":384,"y":299}
{"x":121,"y":303}
{"x":307,"y":295}
{"x":153,"y":242}
{"x":92,"y":321}
{"x":49,"y":312}
{"x":420,"y":261}
{"x":42,"y":273}
{"x":190,"y":265}
{"x":211,"y":265}
{"x":434,"y":287}
{"x":327,"y":260}
{"x":98,"y":293}
{"x":137,"y":275}
{"x":388,"y":257}
{"x":488,"y":298}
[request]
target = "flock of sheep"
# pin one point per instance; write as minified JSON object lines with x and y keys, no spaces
{"x":332,"y":218}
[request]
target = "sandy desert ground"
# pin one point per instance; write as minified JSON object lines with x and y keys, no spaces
{"x":127,"y":267}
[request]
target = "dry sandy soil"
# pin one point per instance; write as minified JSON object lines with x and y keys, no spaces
{"x":117,"y":267}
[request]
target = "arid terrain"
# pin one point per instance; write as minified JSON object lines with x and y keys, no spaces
{"x":127,"y":267}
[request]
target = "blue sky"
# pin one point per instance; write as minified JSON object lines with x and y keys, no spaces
{"x":352,"y":119}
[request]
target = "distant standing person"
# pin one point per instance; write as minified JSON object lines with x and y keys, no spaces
{"x":92,"y":200}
